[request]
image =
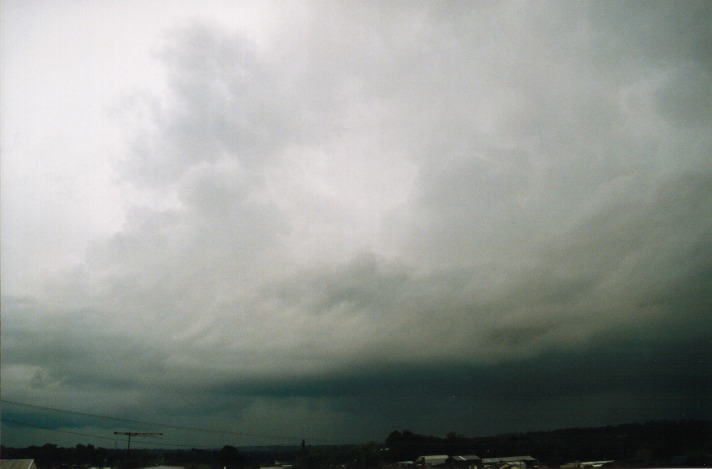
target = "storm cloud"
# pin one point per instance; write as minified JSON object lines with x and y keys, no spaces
{"x":472,"y":217}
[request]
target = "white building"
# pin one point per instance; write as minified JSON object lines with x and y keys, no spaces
{"x":433,"y":460}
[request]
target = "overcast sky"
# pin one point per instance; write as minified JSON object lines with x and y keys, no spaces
{"x":332,"y":220}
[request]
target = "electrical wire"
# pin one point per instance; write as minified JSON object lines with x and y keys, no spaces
{"x":57,"y":430}
{"x":115,"y":440}
{"x":157,"y":424}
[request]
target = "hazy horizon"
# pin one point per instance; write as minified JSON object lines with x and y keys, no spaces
{"x":154,"y":440}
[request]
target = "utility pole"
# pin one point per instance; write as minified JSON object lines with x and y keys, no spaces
{"x":130,"y":434}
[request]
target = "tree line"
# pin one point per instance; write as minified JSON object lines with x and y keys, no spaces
{"x":651,"y":443}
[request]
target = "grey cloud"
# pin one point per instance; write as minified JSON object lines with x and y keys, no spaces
{"x":606,"y":383}
{"x":488,"y":210}
{"x":223,"y":103}
{"x":655,"y":33}
{"x":686,"y":97}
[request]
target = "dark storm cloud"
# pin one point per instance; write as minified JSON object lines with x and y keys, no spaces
{"x":637,"y":378}
{"x":455,"y":217}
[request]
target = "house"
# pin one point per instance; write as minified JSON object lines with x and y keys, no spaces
{"x":468,"y":461}
{"x":162,"y":467}
{"x":509,"y":462}
{"x":586,"y":464}
{"x":404,"y":464}
{"x":17,"y":464}
{"x":433,"y":460}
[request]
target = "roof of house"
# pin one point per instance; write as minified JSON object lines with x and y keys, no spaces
{"x":162,"y":467}
{"x":467,"y":457}
{"x":508,"y":459}
{"x":17,"y":463}
{"x":434,"y":458}
{"x":594,"y":463}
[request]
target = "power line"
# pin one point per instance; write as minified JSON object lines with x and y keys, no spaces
{"x":115,"y":440}
{"x":175,"y":427}
{"x":128,"y":447}
{"x":56,"y":430}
